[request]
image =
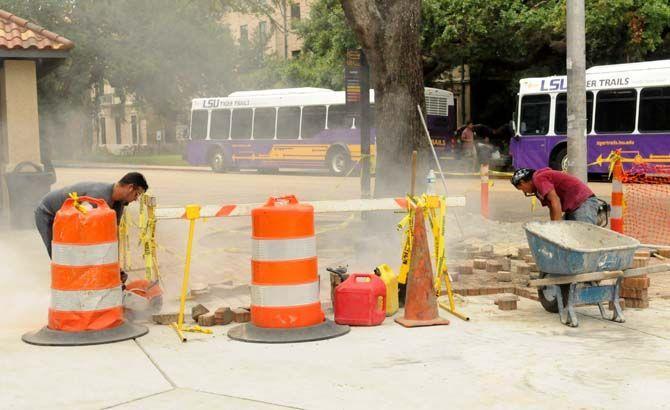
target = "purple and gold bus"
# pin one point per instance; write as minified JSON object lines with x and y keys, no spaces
{"x":304,"y":128}
{"x":631,"y":113}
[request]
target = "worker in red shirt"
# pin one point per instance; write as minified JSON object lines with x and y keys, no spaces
{"x":566,"y":196}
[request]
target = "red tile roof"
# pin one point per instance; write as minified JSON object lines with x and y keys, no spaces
{"x":20,"y":34}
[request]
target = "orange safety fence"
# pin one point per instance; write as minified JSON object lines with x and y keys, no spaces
{"x":646,"y":210}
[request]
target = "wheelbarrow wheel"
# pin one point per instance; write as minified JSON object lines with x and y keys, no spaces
{"x":547,"y":296}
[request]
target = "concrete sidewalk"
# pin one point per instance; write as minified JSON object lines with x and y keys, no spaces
{"x":512,"y":359}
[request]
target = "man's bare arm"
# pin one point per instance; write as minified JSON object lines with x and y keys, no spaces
{"x":555,"y":212}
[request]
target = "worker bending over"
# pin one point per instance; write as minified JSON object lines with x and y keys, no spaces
{"x":117,"y":195}
{"x":566,"y":196}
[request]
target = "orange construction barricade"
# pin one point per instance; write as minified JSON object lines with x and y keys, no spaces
{"x":285,"y":304}
{"x":86,"y":294}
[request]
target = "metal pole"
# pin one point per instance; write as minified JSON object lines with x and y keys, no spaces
{"x":285,"y":12}
{"x":576,"y":66}
{"x":365,"y":127}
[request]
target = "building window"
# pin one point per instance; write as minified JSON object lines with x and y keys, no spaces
{"x":133,"y":129}
{"x":295,"y":11}
{"x":103,"y":131}
{"x":117,"y":129}
{"x":262,"y":32}
{"x":295,"y":53}
{"x":244,"y":35}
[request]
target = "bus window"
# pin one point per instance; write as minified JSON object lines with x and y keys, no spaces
{"x":198,"y":124}
{"x":220,"y":125}
{"x":313,"y":120}
{"x":655,"y":109}
{"x":615,"y":111}
{"x":561,"y":114}
{"x":288,"y":123}
{"x":241,"y":129}
{"x":338,"y":117}
{"x":535,"y":114}
{"x":264,"y":123}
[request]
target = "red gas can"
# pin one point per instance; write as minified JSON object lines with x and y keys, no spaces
{"x":360,"y":300}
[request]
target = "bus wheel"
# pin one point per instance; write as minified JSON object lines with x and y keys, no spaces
{"x":559,"y":161}
{"x":338,"y":162}
{"x":218,"y":161}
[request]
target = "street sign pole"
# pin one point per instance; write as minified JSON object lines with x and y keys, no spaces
{"x":576,"y":65}
{"x":357,"y":91}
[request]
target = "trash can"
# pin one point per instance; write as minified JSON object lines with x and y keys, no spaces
{"x":26,"y":187}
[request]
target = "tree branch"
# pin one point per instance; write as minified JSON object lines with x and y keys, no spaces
{"x":367,"y":21}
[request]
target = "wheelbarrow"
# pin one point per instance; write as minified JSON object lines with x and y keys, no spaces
{"x":573,"y":258}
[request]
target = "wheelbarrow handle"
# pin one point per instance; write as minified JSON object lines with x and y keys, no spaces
{"x":663,"y":267}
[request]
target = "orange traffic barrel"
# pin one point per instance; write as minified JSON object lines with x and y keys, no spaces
{"x":285,"y":303}
{"x":86,"y":294}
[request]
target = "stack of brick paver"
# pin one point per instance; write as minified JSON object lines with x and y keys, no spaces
{"x":635,"y":290}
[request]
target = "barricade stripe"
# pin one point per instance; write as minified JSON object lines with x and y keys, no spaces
{"x":85,"y":255}
{"x":616,"y":212}
{"x":349,"y":205}
{"x":86,"y":321}
{"x":283,"y":249}
{"x":284,"y":272}
{"x":288,"y":295}
{"x":287,"y":317}
{"x":86,"y":300}
{"x":85,"y":277}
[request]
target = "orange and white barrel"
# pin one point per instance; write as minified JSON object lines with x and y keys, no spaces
{"x":86,"y":289}
{"x":86,"y":294}
{"x":285,"y":281}
{"x":616,"y":214}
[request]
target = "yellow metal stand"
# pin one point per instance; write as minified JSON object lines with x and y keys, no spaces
{"x":436,"y":210}
{"x":192,"y":213}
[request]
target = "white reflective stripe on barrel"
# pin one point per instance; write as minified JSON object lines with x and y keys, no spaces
{"x":616,"y":212}
{"x":285,"y":295}
{"x":86,"y":300}
{"x":283,"y":249}
{"x":85,"y":255}
{"x":617,"y":186}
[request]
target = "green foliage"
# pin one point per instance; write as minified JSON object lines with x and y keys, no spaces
{"x":164,"y":52}
{"x":506,"y":39}
{"x":326,"y":37}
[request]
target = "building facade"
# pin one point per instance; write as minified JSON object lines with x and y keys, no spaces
{"x":275,"y":29}
{"x":120,"y":124}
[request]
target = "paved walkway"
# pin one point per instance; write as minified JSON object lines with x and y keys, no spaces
{"x":515,"y":359}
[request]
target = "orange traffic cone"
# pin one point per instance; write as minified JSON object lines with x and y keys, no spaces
{"x":420,"y":302}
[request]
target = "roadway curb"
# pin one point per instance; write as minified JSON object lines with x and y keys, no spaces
{"x":107,"y":165}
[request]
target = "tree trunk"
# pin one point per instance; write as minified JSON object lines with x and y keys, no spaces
{"x":389,"y":33}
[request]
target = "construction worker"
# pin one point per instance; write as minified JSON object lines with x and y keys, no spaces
{"x":566,"y":196}
{"x":117,"y":195}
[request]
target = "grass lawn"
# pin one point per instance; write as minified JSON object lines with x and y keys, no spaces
{"x":163,"y":159}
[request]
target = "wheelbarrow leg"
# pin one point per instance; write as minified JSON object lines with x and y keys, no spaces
{"x":562,"y":311}
{"x":572,"y":295}
{"x":617,"y":315}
